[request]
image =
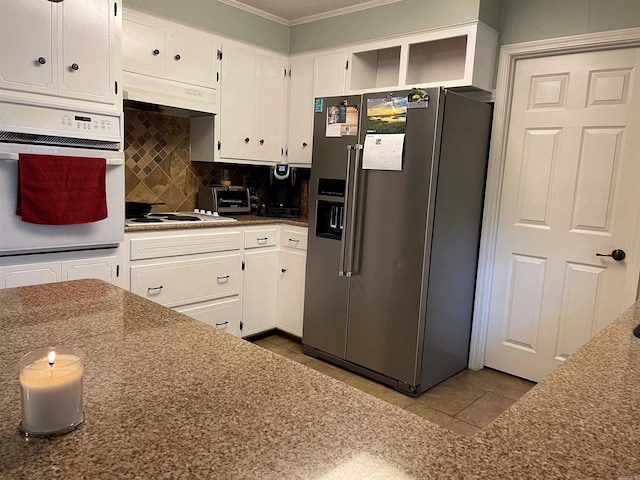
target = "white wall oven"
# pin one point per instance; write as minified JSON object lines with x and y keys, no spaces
{"x":59,"y":131}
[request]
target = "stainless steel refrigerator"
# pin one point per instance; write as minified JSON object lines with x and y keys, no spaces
{"x":392,"y":254}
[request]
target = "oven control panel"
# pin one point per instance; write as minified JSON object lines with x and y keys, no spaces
{"x":57,"y":121}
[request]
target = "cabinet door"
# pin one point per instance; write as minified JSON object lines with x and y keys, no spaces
{"x":29,"y":274}
{"x":300,"y":118}
{"x":191,"y":58}
{"x":237,"y":106}
{"x":271,"y":101}
{"x":329,"y":74}
{"x":27,"y":59}
{"x":89,"y":49}
{"x":260,"y":291}
{"x":290,"y":307}
{"x":222,"y":314}
{"x":103,"y":268}
{"x":143,"y":47}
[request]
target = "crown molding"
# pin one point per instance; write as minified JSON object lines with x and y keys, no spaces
{"x":255,"y":11}
{"x":310,"y":18}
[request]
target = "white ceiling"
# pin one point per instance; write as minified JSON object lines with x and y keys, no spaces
{"x":292,"y":12}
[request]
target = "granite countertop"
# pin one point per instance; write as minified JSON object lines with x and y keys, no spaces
{"x":170,"y":397}
{"x":242,"y":221}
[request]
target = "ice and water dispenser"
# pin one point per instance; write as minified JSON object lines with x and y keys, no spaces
{"x":330,"y":213}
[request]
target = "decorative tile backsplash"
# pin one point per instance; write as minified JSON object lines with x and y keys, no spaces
{"x":158,"y":167}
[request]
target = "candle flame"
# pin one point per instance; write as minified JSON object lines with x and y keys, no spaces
{"x":52,"y":358}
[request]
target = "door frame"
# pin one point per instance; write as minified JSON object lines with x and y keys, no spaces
{"x":509,"y":55}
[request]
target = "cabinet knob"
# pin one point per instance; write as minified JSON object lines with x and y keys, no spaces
{"x":74,"y":66}
{"x":177,"y":57}
{"x":283,"y":270}
{"x":156,"y":52}
{"x":304,"y":144}
{"x":246,"y":140}
{"x":42,"y":60}
{"x":262,"y":141}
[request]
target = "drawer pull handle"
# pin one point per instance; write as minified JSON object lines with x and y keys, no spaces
{"x":153,"y":289}
{"x":221,"y":324}
{"x":225,"y":278}
{"x":294,"y":240}
{"x":262,"y":240}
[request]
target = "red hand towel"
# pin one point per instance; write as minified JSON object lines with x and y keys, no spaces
{"x":58,"y":190}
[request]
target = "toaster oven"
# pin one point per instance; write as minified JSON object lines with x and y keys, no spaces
{"x":224,"y":199}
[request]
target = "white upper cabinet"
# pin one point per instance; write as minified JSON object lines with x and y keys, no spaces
{"x":67,"y":49}
{"x":143,"y":45}
{"x":252,"y":110}
{"x":300,"y":117}
{"x":329,"y":74}
{"x":460,"y":56}
{"x":168,"y":63}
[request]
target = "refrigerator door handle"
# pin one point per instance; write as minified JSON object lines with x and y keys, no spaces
{"x":352,"y":213}
{"x":343,"y":244}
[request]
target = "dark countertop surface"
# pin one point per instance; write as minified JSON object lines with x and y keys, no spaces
{"x":166,"y":396}
{"x":242,"y":221}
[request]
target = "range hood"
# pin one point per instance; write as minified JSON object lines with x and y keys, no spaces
{"x":142,"y":92}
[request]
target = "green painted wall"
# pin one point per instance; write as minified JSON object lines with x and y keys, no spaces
{"x":220,"y":18}
{"x":386,"y":20}
{"x":526,"y":20}
{"x":517,"y":20}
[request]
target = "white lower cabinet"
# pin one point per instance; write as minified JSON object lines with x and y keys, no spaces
{"x":196,"y":273}
{"x":222,"y":314}
{"x":290,"y":306}
{"x":179,"y":281}
{"x":58,"y":267}
{"x":260,"y":282}
{"x":291,"y":279}
{"x":243,"y":280}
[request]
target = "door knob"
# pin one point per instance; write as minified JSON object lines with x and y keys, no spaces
{"x":617,"y":255}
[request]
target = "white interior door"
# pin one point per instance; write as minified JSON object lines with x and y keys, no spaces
{"x":570,"y":190}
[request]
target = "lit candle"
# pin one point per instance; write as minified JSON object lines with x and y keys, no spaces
{"x":51,"y":390}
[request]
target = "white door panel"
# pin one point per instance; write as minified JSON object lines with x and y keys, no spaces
{"x":570,"y":190}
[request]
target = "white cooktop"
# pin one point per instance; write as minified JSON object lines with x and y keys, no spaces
{"x":177,"y":217}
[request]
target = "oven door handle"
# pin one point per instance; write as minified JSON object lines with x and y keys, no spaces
{"x":14,"y":157}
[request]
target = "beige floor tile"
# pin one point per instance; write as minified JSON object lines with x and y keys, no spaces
{"x":497,"y":382}
{"x":283,"y":341}
{"x":484,"y":410}
{"x":451,"y":396}
{"x":265,"y":343}
{"x":442,"y":419}
{"x":326,"y":368}
{"x":379,"y":391}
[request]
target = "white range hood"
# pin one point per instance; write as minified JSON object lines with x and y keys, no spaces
{"x":171,"y":98}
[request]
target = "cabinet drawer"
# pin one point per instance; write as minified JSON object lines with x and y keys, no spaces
{"x":267,"y":237}
{"x":184,"y":244}
{"x":295,"y":239}
{"x":222,"y":314}
{"x":174,"y":283}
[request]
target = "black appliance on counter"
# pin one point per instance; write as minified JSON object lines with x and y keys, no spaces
{"x":282,"y":189}
{"x":225,"y":199}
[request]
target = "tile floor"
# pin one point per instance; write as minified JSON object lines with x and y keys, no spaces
{"x":465,"y":403}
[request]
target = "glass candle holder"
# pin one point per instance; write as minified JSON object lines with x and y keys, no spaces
{"x":51,"y":390}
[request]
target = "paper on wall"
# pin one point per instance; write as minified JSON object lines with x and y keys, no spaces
{"x":383,"y":152}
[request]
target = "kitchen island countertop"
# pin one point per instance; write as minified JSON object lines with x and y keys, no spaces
{"x":170,"y":397}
